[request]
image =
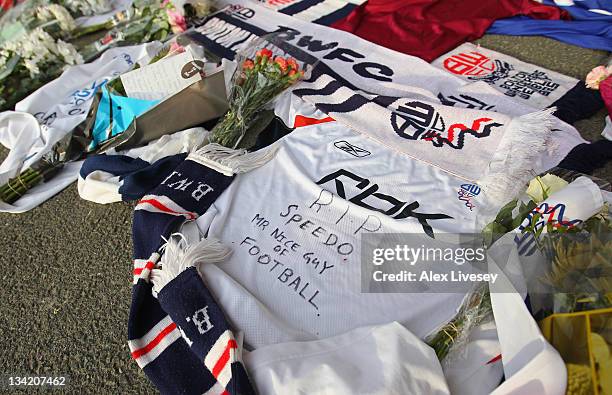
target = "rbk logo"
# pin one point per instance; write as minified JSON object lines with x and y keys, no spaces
{"x":351,"y":149}
{"x":366,"y":195}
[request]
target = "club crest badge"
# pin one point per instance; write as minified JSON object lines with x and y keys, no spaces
{"x":467,"y":193}
{"x":420,"y":121}
{"x":470,"y":64}
{"x":476,"y":66}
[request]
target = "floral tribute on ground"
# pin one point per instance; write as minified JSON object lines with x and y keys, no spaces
{"x":256,"y":83}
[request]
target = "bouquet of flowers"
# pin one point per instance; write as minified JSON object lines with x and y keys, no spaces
{"x":577,"y":310}
{"x":600,"y":78}
{"x":581,"y":271}
{"x":46,"y":43}
{"x":563,"y":247}
{"x":58,"y":17}
{"x":475,"y":310}
{"x":258,"y":80}
{"x":77,"y":144}
{"x":30,"y":62}
{"x":514,"y":212}
{"x":44,"y":169}
{"x":578,"y":276}
{"x":598,"y":75}
{"x":147,"y":20}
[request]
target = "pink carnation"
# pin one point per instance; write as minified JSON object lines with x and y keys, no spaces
{"x":6,"y":4}
{"x":596,"y":76}
{"x":176,"y":48}
{"x":177,"y":21}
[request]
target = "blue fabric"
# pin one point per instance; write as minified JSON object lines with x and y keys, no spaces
{"x":141,"y":181}
{"x":584,"y":9}
{"x":340,"y":13}
{"x":139,"y":177}
{"x":183,"y":296}
{"x":327,"y":19}
{"x":588,"y":29}
{"x":122,"y":110}
{"x":168,"y":380}
{"x":300,"y":6}
{"x":117,"y":165}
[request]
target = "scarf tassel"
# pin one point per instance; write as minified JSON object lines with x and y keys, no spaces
{"x":180,"y":256}
{"x":230,"y":161}
{"x":523,"y":143}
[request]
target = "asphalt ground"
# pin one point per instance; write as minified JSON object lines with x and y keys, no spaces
{"x":65,"y":273}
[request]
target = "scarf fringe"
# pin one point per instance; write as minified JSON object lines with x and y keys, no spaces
{"x":526,"y":138}
{"x":180,"y":256}
{"x":230,"y":161}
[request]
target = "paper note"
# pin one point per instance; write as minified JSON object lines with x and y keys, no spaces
{"x":162,"y":78}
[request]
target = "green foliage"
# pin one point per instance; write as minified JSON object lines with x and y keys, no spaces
{"x":506,"y":220}
{"x":148,"y":22}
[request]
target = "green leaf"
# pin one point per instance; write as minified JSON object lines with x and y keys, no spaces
{"x":9,"y":66}
{"x":523,"y":212}
{"x":495,"y":228}
{"x":527,"y":208}
{"x":516,"y":222}
{"x":492,"y":232}
{"x":506,"y":211}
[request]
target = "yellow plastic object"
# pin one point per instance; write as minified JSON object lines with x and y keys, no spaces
{"x":584,"y":341}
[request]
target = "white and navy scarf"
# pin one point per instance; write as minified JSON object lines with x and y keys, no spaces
{"x":177,"y":332}
{"x":403,"y":102}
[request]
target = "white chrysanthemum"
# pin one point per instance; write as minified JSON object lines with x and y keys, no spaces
{"x":88,"y":7}
{"x":56,"y":12}
{"x":37,"y":48}
{"x":42,"y":42}
{"x":69,"y":53}
{"x":9,"y":46}
{"x":28,"y":48}
{"x":44,"y":13}
{"x":100,"y":6}
{"x":32,"y":66}
{"x":63,"y":17}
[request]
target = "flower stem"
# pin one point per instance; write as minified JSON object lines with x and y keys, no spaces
{"x":16,"y":187}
